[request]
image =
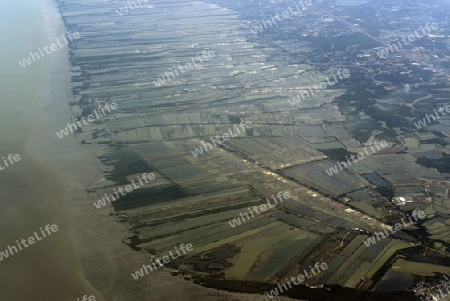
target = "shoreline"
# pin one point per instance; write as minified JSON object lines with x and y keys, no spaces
{"x":107,"y":261}
{"x":36,"y":190}
{"x":52,"y":152}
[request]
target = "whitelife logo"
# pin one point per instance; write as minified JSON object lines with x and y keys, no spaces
{"x":344,"y":73}
{"x":124,"y":9}
{"x":170,"y":75}
{"x":302,"y":277}
{"x":166,"y":259}
{"x":12,"y":159}
{"x":422,"y":123}
{"x":284,"y":15}
{"x":360,"y":155}
{"x":371,"y":240}
{"x":91,"y":118}
{"x":31,"y":240}
{"x":53,"y":47}
{"x":101,"y":203}
{"x":86,"y":298}
{"x":383,"y":53}
{"x":199,"y":150}
{"x":237,"y":222}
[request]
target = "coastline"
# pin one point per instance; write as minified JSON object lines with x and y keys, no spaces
{"x":107,"y":261}
{"x":35,"y":190}
{"x":57,"y":180}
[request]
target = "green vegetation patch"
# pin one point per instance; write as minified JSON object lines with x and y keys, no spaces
{"x":374,"y":250}
{"x":442,"y":165}
{"x":148,"y":196}
{"x":125,"y":163}
{"x":337,"y":154}
{"x":293,"y":219}
{"x":280,"y":257}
